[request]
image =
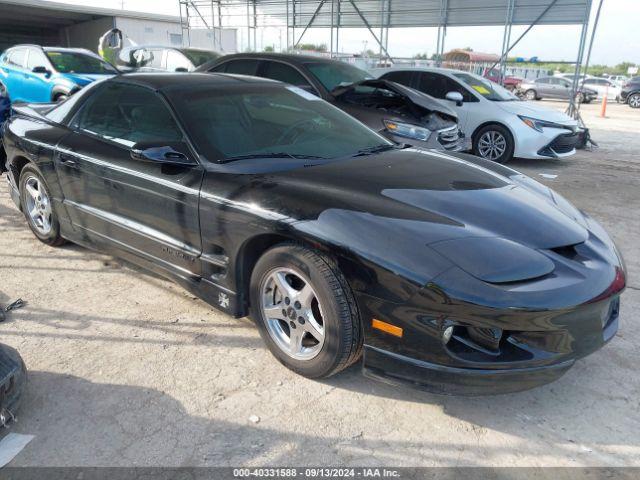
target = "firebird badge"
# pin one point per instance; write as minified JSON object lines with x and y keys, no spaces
{"x":223,"y":300}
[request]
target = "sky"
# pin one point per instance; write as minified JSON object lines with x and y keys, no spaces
{"x":617,"y":38}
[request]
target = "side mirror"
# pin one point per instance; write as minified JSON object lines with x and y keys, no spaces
{"x":42,"y":70}
{"x":171,"y":153}
{"x":455,"y":97}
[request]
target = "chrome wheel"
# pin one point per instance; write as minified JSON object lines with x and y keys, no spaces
{"x":37,"y":205}
{"x":492,"y":145}
{"x":634,"y":101}
{"x":530,"y":95}
{"x":292,"y":313}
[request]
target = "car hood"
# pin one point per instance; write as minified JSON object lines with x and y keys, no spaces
{"x":429,"y":196}
{"x":83,"y":79}
{"x":539,"y":112}
{"x":421,"y":99}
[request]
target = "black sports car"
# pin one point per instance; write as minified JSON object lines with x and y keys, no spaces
{"x":449,"y":271}
{"x":402,"y":114}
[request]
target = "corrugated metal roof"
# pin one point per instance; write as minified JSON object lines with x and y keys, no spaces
{"x":58,"y":12}
{"x":418,"y":13}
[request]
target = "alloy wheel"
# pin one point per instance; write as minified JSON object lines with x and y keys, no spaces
{"x":38,"y":205}
{"x":634,"y":101}
{"x":530,"y":95}
{"x":492,"y":145}
{"x":292,"y":313}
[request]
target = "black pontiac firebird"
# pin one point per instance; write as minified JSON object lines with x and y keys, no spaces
{"x":449,"y":271}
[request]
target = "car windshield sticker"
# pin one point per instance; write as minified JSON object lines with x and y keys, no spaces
{"x":303,"y":93}
{"x":481,"y":89}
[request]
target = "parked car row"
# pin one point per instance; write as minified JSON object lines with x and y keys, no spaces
{"x":446,"y":271}
{"x":443,"y":109}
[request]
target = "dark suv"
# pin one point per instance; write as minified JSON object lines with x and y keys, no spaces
{"x":630,"y":92}
{"x":401,"y":114}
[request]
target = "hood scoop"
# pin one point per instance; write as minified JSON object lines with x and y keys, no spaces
{"x":511,"y":212}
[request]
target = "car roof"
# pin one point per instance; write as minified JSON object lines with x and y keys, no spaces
{"x":287,"y":57}
{"x":168,"y":47}
{"x":449,"y":71}
{"x":161,"y":81}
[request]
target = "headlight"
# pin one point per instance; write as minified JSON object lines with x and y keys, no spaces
{"x":407,"y":130}
{"x":540,"y":124}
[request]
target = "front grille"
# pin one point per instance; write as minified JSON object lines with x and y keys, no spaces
{"x":561,"y":144}
{"x":449,"y":137}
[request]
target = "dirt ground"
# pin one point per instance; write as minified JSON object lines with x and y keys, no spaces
{"x":127,"y":369}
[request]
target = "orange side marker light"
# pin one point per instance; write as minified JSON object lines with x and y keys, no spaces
{"x":386,"y":327}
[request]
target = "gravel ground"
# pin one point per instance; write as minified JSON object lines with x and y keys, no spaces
{"x":127,"y":369}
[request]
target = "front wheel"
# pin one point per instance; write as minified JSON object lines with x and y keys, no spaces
{"x":35,"y":200}
{"x":531,"y":95}
{"x":634,"y":100}
{"x":494,"y":142}
{"x":305,"y":311}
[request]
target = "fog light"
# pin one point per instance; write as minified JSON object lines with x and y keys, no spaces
{"x":446,"y":335}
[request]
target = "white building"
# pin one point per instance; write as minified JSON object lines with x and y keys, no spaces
{"x":48,"y":23}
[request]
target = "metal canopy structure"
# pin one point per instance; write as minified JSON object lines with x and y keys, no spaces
{"x":379,"y":16}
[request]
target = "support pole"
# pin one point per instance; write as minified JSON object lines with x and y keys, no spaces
{"x":368,"y":25}
{"x":572,"y":111}
{"x":311,"y":20}
{"x":331,"y":47}
{"x":535,"y":22}
{"x":506,"y":38}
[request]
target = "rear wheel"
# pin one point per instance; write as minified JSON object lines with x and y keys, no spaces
{"x":494,"y":142}
{"x":634,"y":100}
{"x":35,"y":199}
{"x":531,"y":95}
{"x":305,"y":311}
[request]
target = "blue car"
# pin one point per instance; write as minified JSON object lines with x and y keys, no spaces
{"x":30,"y":73}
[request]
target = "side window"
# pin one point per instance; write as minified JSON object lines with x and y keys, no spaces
{"x":284,"y":73}
{"x":404,"y":78}
{"x":127,"y":114}
{"x":438,"y":86}
{"x":222,"y":68}
{"x":176,"y":60}
{"x":17,"y":57}
{"x":543,"y":81}
{"x":36,"y":59}
{"x":242,"y":67}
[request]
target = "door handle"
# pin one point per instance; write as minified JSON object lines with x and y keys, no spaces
{"x":67,"y":159}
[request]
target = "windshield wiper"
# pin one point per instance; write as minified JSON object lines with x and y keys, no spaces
{"x":295,"y":156}
{"x":372,"y":150}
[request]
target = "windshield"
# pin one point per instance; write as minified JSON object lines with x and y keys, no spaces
{"x":336,"y":74}
{"x":199,"y":57}
{"x":266,"y":121}
{"x":75,"y":62}
{"x":488,"y":89}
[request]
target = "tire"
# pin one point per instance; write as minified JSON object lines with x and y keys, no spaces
{"x":494,"y":142}
{"x":61,"y":97}
{"x":35,"y":197}
{"x":531,"y":95}
{"x":13,"y":397}
{"x":634,"y":100}
{"x":325,"y":319}
{"x":580,"y":98}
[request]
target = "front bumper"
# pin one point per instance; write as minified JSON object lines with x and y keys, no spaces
{"x":533,"y":144}
{"x":395,"y":369}
{"x":549,"y":355}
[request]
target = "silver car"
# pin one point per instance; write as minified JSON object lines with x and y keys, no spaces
{"x":555,"y":87}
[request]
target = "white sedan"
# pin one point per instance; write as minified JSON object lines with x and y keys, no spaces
{"x":603,"y":86}
{"x":500,"y":125}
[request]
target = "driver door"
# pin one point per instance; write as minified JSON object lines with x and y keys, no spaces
{"x":147,"y":208}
